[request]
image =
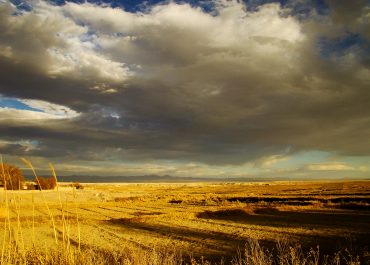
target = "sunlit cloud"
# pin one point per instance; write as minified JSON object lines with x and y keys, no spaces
{"x":54,"y":110}
{"x":334,"y":166}
{"x":8,"y":114}
{"x":270,"y":160}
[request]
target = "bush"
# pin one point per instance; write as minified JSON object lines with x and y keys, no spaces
{"x":46,"y":183}
{"x":30,"y":186}
{"x":77,"y":185}
{"x":11,"y":177}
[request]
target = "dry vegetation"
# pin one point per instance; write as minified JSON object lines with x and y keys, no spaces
{"x":202,"y":223}
{"x":13,"y":179}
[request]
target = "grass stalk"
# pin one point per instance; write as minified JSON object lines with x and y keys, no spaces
{"x":29,"y":164}
{"x":65,"y":235}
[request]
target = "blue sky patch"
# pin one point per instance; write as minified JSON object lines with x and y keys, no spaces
{"x":299,"y":9}
{"x":340,"y":46}
{"x":136,"y":5}
{"x":14,"y":103}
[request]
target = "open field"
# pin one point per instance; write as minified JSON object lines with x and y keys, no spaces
{"x":199,"y":219}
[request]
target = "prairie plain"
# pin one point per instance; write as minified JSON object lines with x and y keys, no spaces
{"x":210,"y":221}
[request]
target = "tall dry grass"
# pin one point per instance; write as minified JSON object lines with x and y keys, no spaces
{"x":253,"y":254}
{"x":70,"y":252}
{"x":285,"y":253}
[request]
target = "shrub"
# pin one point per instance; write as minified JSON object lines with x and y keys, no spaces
{"x":77,"y":185}
{"x":46,"y":183}
{"x":30,"y":186}
{"x":11,"y":177}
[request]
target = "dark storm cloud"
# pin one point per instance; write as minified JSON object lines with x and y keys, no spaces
{"x":346,"y":12}
{"x":180,"y":84}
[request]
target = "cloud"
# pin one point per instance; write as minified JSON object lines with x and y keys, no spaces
{"x":49,"y":108}
{"x":267,"y":162}
{"x":53,"y":44}
{"x":334,"y":166}
{"x":354,"y":15}
{"x":174,"y":82}
{"x":20,"y":147}
{"x":16,"y":115}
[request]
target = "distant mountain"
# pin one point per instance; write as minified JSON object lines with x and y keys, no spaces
{"x":150,"y":179}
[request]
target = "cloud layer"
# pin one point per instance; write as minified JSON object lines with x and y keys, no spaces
{"x":176,"y":83}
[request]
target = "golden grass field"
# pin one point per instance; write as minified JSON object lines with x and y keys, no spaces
{"x":206,"y":221}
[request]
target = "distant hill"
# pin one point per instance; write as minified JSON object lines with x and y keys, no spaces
{"x":150,"y":179}
{"x":166,"y":179}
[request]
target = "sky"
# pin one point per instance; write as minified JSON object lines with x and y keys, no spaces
{"x":213,"y":88}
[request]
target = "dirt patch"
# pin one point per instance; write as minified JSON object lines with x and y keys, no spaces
{"x":356,"y":203}
{"x":175,"y":201}
{"x":229,"y":214}
{"x":147,"y":213}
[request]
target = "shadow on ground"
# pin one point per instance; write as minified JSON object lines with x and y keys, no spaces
{"x":354,"y":226}
{"x":212,"y":246}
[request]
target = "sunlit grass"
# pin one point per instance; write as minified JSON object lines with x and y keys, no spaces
{"x":63,"y":220}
